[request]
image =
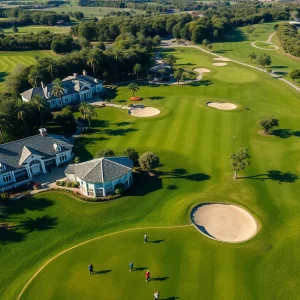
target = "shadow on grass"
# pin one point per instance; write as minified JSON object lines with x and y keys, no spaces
{"x":140,"y":269}
{"x":120,"y":124}
{"x":221,"y":51}
{"x":157,"y":97}
{"x":2,"y":76}
{"x":279,"y":67}
{"x":38,"y":224}
{"x":120,"y":131}
{"x":10,"y":235}
{"x":183,"y":174}
{"x":170,"y":298}
{"x":156,"y":241}
{"x":102,"y":272}
{"x":201,"y":83}
{"x":172,"y":187}
{"x":286,"y":133}
{"x":159,"y":278}
{"x":275,"y":175}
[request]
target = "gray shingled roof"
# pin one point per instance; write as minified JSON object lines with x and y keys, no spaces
{"x":101,"y":169}
{"x":14,"y":153}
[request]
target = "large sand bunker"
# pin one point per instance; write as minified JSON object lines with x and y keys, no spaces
{"x":224,"y":222}
{"x":219,"y":64}
{"x":144,"y":111}
{"x":202,"y":70}
{"x":222,"y":105}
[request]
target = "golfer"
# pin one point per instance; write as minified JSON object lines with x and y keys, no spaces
{"x":145,"y":238}
{"x":148,"y":276}
{"x":91,"y":269}
{"x":156,"y":296}
{"x":130,"y":266}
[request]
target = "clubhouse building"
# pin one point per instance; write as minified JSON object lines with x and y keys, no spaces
{"x":21,"y":160}
{"x":99,"y":177}
{"x":76,"y":88}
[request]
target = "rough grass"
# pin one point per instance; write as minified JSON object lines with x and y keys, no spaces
{"x":193,"y":143}
{"x":38,"y":28}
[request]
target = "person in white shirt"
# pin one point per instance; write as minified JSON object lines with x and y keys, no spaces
{"x":156,"y":296}
{"x":145,"y":238}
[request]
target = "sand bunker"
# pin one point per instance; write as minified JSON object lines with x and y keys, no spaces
{"x":144,"y":111}
{"x":221,"y":105}
{"x":224,"y":222}
{"x":202,"y":70}
{"x":221,"y":58}
{"x":219,"y":64}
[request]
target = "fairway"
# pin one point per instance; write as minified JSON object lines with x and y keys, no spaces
{"x":194,"y":143}
{"x":9,"y":59}
{"x":38,"y":28}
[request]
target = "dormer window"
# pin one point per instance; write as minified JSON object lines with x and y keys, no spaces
{"x":56,"y":147}
{"x":2,"y":167}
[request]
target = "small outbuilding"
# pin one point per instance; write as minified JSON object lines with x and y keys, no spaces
{"x":99,"y":177}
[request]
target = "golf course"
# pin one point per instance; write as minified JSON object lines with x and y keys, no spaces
{"x":56,"y":236}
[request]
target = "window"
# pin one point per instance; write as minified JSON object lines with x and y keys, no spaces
{"x":63,"y":157}
{"x":6,"y":178}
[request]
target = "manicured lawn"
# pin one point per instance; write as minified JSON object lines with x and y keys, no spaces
{"x":193,"y":143}
{"x":38,"y":28}
{"x":237,"y":46}
{"x":9,"y":59}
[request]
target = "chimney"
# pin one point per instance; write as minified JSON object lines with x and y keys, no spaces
{"x":43,"y":84}
{"x":43,"y":131}
{"x":75,"y":74}
{"x":84,"y":72}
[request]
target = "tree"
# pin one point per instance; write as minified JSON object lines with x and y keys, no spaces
{"x":66,"y":120}
{"x":264,"y":60}
{"x":17,"y":81}
{"x":118,"y":56}
{"x":295,"y":14}
{"x":170,"y":59}
{"x":252,"y":56}
{"x":149,"y":161}
{"x":58,"y":90}
{"x":269,"y":71}
{"x":15,"y":29}
{"x":93,"y":59}
{"x":3,"y":124}
{"x":162,"y":71}
{"x":294,"y":74}
{"x":131,"y":154}
{"x":78,"y":15}
{"x":133,"y":87}
{"x":101,"y":46}
{"x":178,"y":74}
{"x":39,"y":104}
{"x":21,"y":114}
{"x":88,"y":112}
{"x":268,"y":122}
{"x":137,"y":69}
{"x":33,"y":77}
{"x":105,"y":153}
{"x":205,"y":42}
{"x":239,"y":161}
{"x":209,"y":46}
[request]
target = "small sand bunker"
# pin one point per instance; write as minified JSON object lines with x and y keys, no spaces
{"x":219,"y":64}
{"x":202,"y":70}
{"x":222,"y":105}
{"x":144,"y":111}
{"x":224,"y":222}
{"x":221,"y":58}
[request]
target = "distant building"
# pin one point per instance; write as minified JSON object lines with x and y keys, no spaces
{"x":76,"y":88}
{"x":98,"y":177}
{"x":157,"y":74}
{"x":22,"y":159}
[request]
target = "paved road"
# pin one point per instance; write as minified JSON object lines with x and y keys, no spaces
{"x":169,"y":44}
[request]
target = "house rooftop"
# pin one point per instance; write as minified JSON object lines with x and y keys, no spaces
{"x":101,"y":169}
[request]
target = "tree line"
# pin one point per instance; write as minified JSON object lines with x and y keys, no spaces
{"x":289,"y":38}
{"x":44,"y":40}
{"x":22,"y":17}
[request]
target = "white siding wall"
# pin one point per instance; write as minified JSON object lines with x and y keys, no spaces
{"x":69,"y":156}
{"x":2,"y":183}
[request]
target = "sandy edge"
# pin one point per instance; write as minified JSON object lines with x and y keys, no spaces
{"x":219,"y":64}
{"x":144,"y":112}
{"x":221,"y":58}
{"x":202,"y":70}
{"x":205,"y":213}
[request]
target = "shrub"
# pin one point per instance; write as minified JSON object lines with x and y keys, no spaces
{"x":58,"y":182}
{"x":62,"y":183}
{"x":105,"y":153}
{"x":149,"y":161}
{"x":69,"y":184}
{"x":77,"y":160}
{"x":268,"y":122}
{"x":136,"y":98}
{"x":119,"y":189}
{"x":131,"y":154}
{"x":75,"y":185}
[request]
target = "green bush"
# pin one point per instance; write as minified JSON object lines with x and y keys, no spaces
{"x":119,"y":189}
{"x":77,"y":160}
{"x":75,"y":185}
{"x":69,"y":184}
{"x":62,"y":183}
{"x":105,"y":153}
{"x":58,"y":182}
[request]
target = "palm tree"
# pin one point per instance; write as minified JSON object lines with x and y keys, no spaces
{"x":137,"y":68}
{"x":58,"y":90}
{"x":51,"y":66}
{"x":170,"y":59}
{"x":21,"y":114}
{"x":252,"y":56}
{"x":88,"y":112}
{"x":33,"y":77}
{"x":133,"y":87}
{"x":118,"y":56}
{"x":3,"y":123}
{"x":40,"y":104}
{"x":93,"y":59}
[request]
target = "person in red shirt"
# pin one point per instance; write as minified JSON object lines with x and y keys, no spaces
{"x":148,"y":276}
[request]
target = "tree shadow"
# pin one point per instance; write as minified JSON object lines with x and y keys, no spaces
{"x":157,"y":97}
{"x":279,"y":67}
{"x":100,"y":123}
{"x":172,"y":187}
{"x":38,"y":224}
{"x":102,"y":272}
{"x":186,"y":64}
{"x":120,"y":131}
{"x":222,"y":51}
{"x":183,"y":174}
{"x":120,"y":124}
{"x":121,"y":101}
{"x":286,"y":133}
{"x":201,"y":83}
{"x":159,"y":278}
{"x":156,"y":241}
{"x":2,"y":76}
{"x":10,"y":235}
{"x":275,"y":175}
